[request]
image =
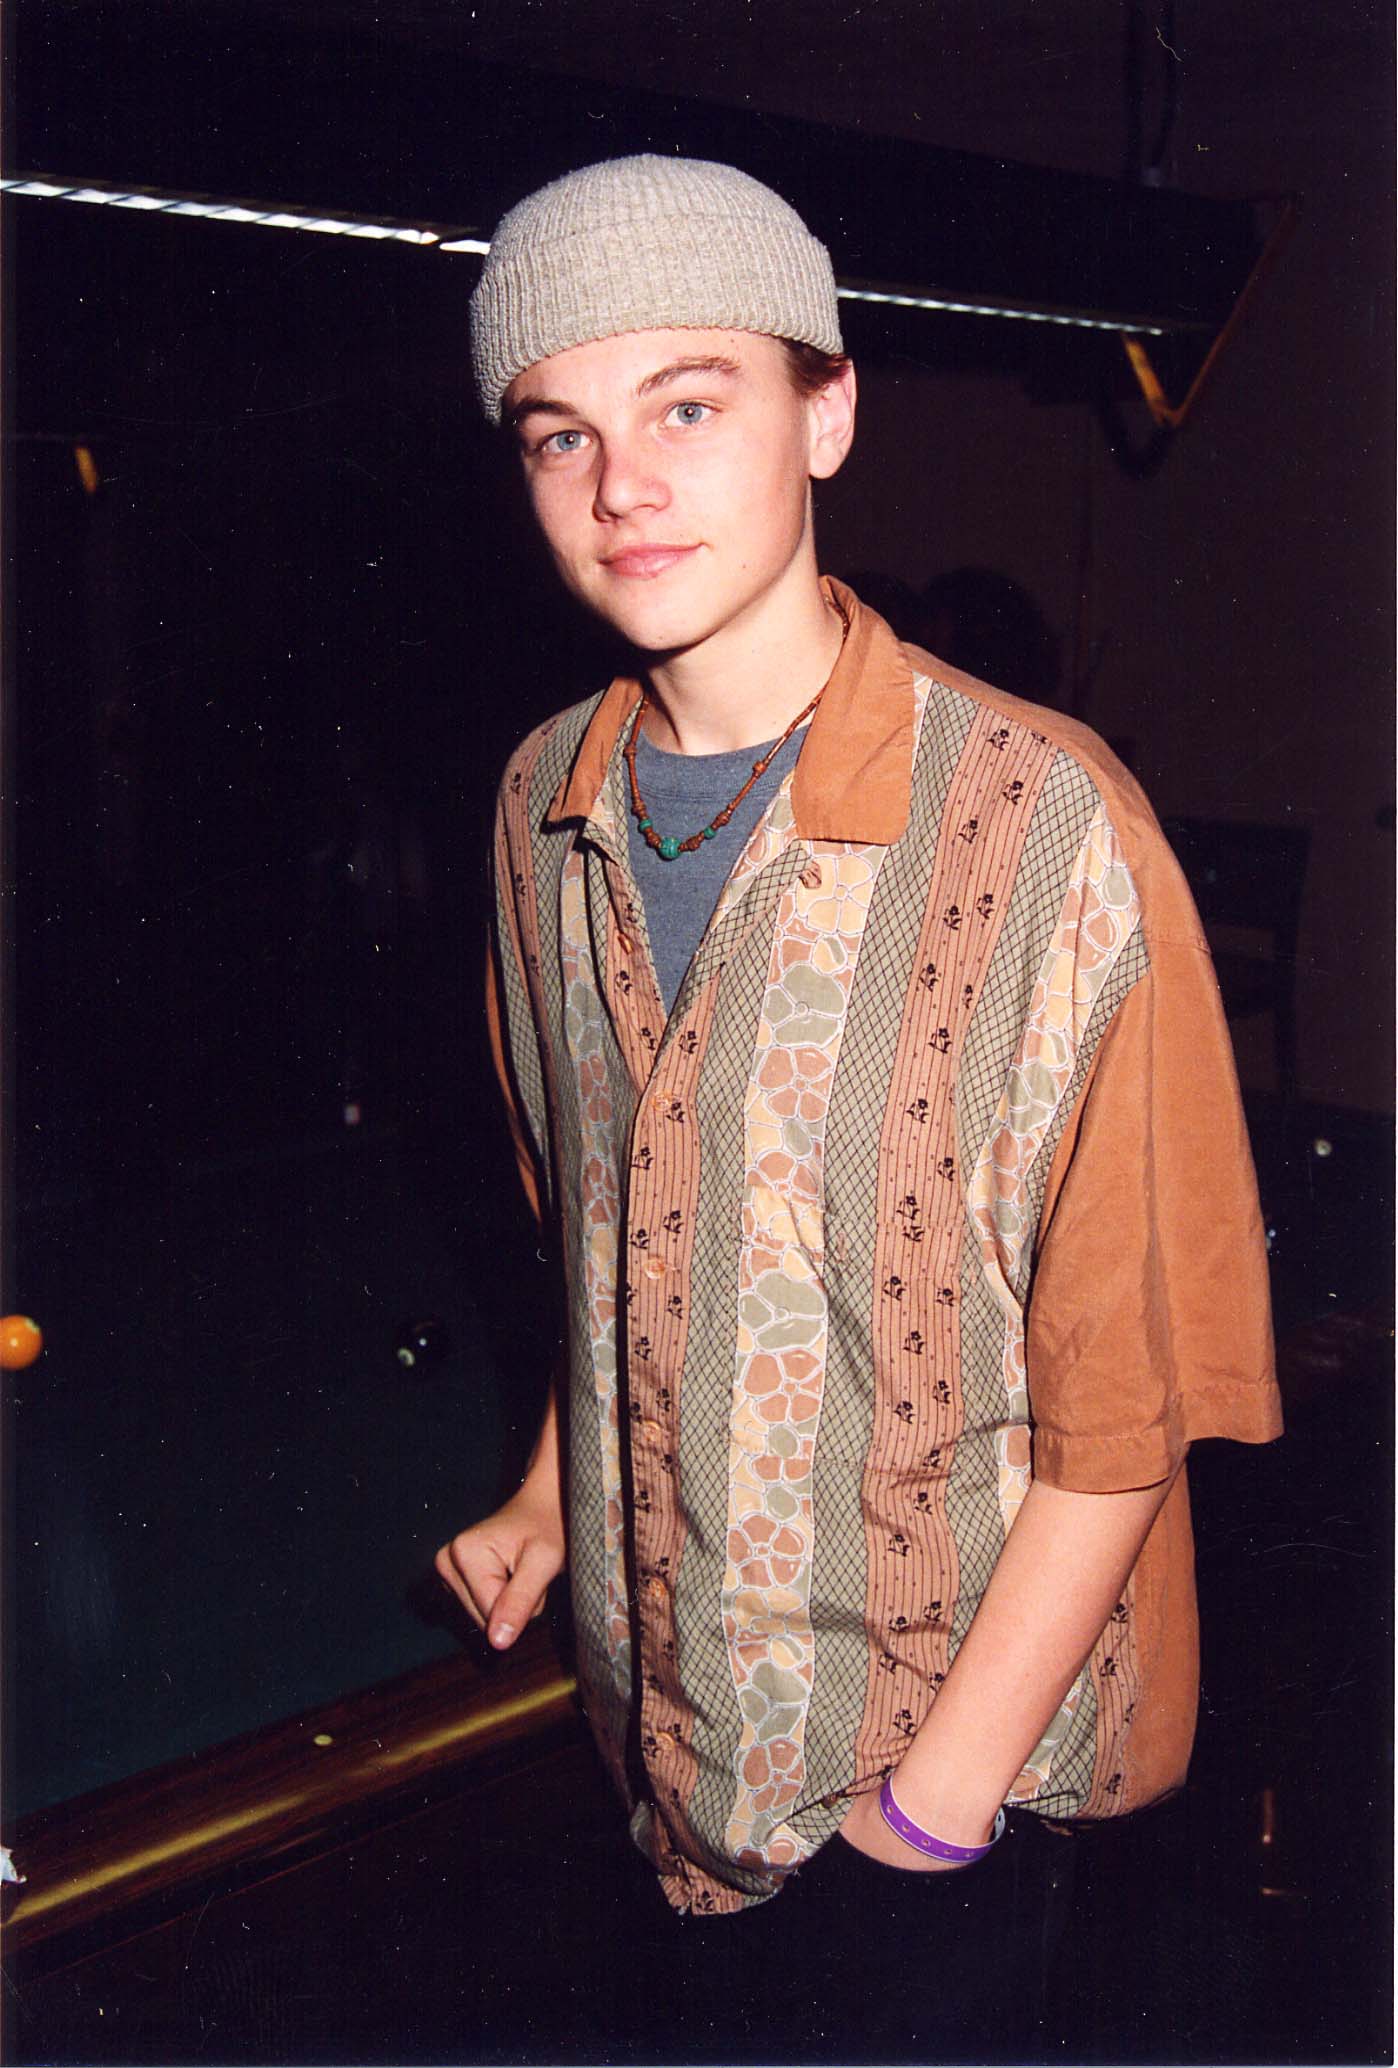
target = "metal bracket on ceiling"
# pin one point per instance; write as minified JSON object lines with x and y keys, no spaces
{"x":1172,"y":416}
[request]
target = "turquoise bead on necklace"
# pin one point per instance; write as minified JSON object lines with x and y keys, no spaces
{"x":668,"y":845}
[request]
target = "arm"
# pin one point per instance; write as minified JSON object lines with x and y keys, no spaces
{"x":1147,"y":1328}
{"x":500,"y":1569}
{"x":1055,"y":1583}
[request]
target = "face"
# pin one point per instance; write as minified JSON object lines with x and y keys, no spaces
{"x":670,"y":473}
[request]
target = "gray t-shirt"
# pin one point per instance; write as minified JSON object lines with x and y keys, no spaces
{"x":682,"y":793}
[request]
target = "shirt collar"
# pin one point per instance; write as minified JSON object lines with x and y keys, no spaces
{"x":854,"y":775}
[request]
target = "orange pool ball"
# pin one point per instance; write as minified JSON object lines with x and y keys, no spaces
{"x":21,"y":1340}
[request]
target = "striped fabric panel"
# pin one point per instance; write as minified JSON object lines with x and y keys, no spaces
{"x":913,"y":1553}
{"x":840,"y":1574}
{"x":991,"y":1449}
{"x":659,"y":1273}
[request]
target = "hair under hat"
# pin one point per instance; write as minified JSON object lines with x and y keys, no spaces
{"x":645,"y":243}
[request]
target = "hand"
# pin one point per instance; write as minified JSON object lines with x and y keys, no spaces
{"x":865,"y":1829}
{"x":500,"y":1569}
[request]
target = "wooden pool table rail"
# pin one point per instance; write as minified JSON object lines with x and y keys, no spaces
{"x":106,"y":1862}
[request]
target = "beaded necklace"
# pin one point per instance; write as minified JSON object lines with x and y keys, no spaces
{"x":666,"y":845}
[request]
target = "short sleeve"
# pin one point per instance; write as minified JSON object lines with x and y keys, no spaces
{"x":1149,"y":1320}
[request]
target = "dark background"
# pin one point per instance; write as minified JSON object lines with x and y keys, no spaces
{"x":263,"y":668}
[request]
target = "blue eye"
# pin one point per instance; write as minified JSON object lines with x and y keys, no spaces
{"x":558,"y":441}
{"x":690,"y":413}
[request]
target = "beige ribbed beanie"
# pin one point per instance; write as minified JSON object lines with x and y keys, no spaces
{"x":645,"y":243}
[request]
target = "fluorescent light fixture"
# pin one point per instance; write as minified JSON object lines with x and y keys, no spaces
{"x":152,"y":200}
{"x":1067,"y":318}
{"x":270,"y":217}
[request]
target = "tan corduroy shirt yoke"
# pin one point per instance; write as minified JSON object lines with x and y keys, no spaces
{"x":934,"y":1179}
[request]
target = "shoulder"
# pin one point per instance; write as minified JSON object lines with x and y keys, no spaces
{"x":545,"y":754}
{"x":1105,"y":788}
{"x":1099,"y":765}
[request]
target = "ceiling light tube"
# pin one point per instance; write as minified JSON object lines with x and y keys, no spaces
{"x":273,"y":218}
{"x":950,"y":308}
{"x":212,"y":210}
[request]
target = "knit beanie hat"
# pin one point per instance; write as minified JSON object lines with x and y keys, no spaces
{"x":645,"y":243}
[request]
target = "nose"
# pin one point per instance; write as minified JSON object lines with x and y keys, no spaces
{"x":628,"y":479}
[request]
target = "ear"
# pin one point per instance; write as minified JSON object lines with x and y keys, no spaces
{"x":830,"y":414}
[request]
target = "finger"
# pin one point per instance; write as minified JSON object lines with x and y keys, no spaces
{"x":523,"y":1597}
{"x":452,"y":1580}
{"x":475,"y":1574}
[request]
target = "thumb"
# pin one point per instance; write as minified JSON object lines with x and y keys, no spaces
{"x":522,"y":1595}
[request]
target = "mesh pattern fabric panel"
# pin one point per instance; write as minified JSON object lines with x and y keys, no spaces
{"x":734,"y":925}
{"x":517,"y":932}
{"x":614,"y":809}
{"x":522,"y":1048}
{"x":1062,"y":815}
{"x":559,"y":740}
{"x":1094,"y":1747}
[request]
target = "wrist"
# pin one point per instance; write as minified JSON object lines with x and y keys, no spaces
{"x":537,"y":1506}
{"x":964,"y":1816}
{"x":934,"y":1845}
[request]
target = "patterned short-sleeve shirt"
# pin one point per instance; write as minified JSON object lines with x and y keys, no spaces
{"x":935,"y":1178}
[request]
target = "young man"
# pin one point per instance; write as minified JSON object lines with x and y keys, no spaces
{"x":862,"y":1040}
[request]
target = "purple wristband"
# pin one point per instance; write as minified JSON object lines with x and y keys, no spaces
{"x":902,"y":1826}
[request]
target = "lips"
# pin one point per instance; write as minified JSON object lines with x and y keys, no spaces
{"x":644,"y":563}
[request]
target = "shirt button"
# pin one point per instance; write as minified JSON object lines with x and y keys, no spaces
{"x":656,"y":1589}
{"x":652,"y":1431}
{"x":654,"y":1267}
{"x":665,"y":1740}
{"x":658,"y":1102}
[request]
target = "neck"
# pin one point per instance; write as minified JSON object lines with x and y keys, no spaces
{"x":748,"y":681}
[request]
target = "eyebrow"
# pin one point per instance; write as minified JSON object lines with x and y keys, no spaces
{"x":537,"y":405}
{"x":678,"y":369}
